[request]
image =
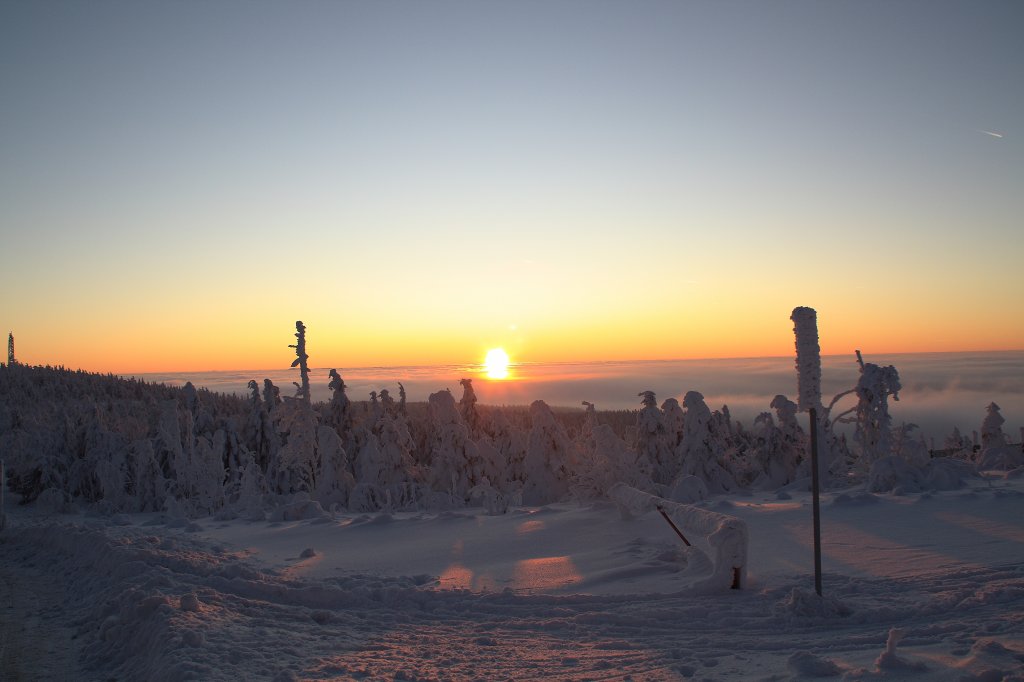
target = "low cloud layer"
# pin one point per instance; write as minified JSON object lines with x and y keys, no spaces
{"x":940,"y":390}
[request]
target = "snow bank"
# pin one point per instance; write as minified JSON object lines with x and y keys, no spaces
{"x":727,"y":535}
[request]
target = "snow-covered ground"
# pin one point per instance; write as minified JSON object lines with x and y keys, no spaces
{"x":923,"y":586}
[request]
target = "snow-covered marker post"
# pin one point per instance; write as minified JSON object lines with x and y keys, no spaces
{"x":808,"y":373}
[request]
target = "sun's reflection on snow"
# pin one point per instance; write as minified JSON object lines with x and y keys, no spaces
{"x":988,"y":527}
{"x":545,"y":573}
{"x":527,"y":527}
{"x":456,"y":577}
{"x":459,"y":577}
{"x":873,"y":554}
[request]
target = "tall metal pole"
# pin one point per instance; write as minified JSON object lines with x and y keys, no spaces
{"x":814,"y":501}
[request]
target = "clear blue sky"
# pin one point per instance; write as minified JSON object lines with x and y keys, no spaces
{"x":573,"y":180}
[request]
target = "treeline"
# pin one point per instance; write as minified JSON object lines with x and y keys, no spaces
{"x":73,"y":438}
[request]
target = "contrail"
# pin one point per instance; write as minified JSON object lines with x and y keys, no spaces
{"x":989,"y":132}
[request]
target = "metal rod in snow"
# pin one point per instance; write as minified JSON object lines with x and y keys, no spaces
{"x":674,"y":526}
{"x":815,"y":506}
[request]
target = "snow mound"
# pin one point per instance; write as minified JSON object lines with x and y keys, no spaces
{"x":804,"y":604}
{"x":806,"y":664}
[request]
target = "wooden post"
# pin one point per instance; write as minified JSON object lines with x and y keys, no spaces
{"x":674,"y":526}
{"x":815,"y":501}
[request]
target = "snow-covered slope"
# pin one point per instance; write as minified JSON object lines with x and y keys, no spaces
{"x":555,"y":592}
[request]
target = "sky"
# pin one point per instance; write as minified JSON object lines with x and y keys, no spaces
{"x":573,"y":181}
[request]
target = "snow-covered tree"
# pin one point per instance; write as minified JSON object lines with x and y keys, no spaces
{"x":271,"y":395}
{"x":995,"y":453}
{"x":700,"y":451}
{"x":873,"y":431}
{"x":467,"y":406}
{"x":652,"y":440}
{"x":451,"y":451}
{"x":302,"y":362}
{"x":402,"y":410}
{"x":550,"y":458}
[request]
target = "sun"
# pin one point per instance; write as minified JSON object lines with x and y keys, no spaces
{"x":496,"y":364}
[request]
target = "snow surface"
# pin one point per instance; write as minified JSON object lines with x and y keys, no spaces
{"x":925,"y":586}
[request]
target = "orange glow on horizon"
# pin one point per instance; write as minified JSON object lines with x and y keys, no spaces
{"x":151,"y":343}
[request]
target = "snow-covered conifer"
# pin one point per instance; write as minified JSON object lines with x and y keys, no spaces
{"x":700,"y":451}
{"x":673,"y":418}
{"x":387,"y":402}
{"x":995,"y":453}
{"x":271,"y":395}
{"x":550,"y":458}
{"x":873,"y":430}
{"x":467,"y":406}
{"x":510,"y":443}
{"x":451,"y":453}
{"x":401,"y":400}
{"x":652,"y":440}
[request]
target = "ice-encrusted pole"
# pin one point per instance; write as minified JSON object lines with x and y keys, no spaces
{"x":808,"y":373}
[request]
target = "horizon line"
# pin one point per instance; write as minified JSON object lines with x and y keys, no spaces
{"x":478,"y":365}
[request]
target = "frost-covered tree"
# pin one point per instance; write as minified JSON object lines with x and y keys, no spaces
{"x":673,"y":417}
{"x":908,"y":443}
{"x":652,"y":440}
{"x":302,"y":362}
{"x":271,"y":395}
{"x":402,"y":410}
{"x":700,"y":451}
{"x":958,"y":446}
{"x":992,"y":435}
{"x":452,"y":453}
{"x":387,"y":403}
{"x":334,"y":481}
{"x":550,"y":458}
{"x":467,"y":406}
{"x":510,"y":443}
{"x":339,"y":411}
{"x":995,"y":453}
{"x":610,"y":462}
{"x":873,"y":432}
